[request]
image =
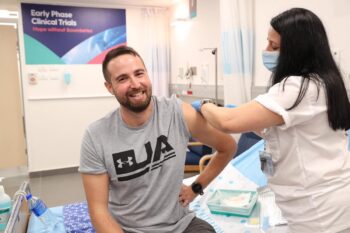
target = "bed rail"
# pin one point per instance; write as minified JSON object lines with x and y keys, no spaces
{"x":19,"y":217}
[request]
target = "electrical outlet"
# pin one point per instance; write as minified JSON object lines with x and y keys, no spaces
{"x":193,"y":70}
{"x":181,"y":73}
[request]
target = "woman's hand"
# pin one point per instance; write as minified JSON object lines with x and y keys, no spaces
{"x":196,"y":105}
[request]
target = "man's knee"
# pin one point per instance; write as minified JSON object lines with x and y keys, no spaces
{"x":199,"y":225}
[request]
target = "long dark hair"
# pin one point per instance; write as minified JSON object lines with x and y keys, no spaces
{"x":305,"y":52}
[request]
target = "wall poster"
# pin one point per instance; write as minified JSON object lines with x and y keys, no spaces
{"x":70,"y":35}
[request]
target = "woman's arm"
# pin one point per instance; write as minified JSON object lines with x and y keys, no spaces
{"x":248,"y":117}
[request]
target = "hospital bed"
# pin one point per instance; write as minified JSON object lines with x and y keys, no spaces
{"x":241,"y":173}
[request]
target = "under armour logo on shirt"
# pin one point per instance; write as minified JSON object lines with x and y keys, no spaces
{"x":128,"y":168}
{"x":121,"y":163}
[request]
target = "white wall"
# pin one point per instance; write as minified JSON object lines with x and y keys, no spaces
{"x":187,"y":38}
{"x":54,"y":127}
{"x":204,"y":31}
{"x":334,"y":14}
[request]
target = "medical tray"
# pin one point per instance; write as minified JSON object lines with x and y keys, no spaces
{"x":232,"y":202}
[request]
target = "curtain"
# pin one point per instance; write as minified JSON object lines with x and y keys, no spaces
{"x":156,"y":38}
{"x":237,"y":43}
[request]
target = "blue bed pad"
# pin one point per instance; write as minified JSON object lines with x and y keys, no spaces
{"x":35,"y":226}
{"x":73,"y":218}
{"x":248,"y":163}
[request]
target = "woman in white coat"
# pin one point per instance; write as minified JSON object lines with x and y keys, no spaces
{"x":303,"y":118}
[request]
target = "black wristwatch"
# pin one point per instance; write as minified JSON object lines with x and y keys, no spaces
{"x":205,"y":101}
{"x":197,"y":188}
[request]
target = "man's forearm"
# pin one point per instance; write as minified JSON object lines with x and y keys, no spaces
{"x":104,"y":222}
{"x":216,"y":164}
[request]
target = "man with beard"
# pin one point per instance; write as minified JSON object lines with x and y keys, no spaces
{"x":132,"y":160}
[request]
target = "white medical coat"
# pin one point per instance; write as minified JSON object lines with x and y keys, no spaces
{"x":312,"y":161}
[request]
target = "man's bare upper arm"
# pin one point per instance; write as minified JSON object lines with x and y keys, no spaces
{"x":203,"y":131}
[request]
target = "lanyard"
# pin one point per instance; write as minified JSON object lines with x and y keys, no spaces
{"x":266,"y":162}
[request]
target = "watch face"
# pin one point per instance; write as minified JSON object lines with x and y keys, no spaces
{"x":197,"y":188}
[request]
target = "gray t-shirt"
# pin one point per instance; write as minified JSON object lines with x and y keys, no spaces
{"x":145,"y":167}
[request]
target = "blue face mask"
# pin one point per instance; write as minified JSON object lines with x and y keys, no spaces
{"x":270,"y":59}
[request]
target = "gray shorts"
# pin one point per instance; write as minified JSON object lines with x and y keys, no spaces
{"x":198,"y":225}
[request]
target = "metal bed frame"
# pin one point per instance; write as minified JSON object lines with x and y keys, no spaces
{"x":20,"y":214}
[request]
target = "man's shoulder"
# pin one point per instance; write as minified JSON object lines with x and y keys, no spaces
{"x":103,"y":122}
{"x":168,"y":101}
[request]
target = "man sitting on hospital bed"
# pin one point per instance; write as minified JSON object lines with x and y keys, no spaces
{"x":132,"y":160}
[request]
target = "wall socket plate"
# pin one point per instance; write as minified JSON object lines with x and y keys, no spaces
{"x":193,"y":70}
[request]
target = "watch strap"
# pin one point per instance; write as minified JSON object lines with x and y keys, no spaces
{"x":205,"y":101}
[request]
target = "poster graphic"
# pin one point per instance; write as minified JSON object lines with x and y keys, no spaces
{"x":71,"y":35}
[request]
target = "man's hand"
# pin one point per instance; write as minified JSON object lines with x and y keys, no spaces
{"x":186,"y":195}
